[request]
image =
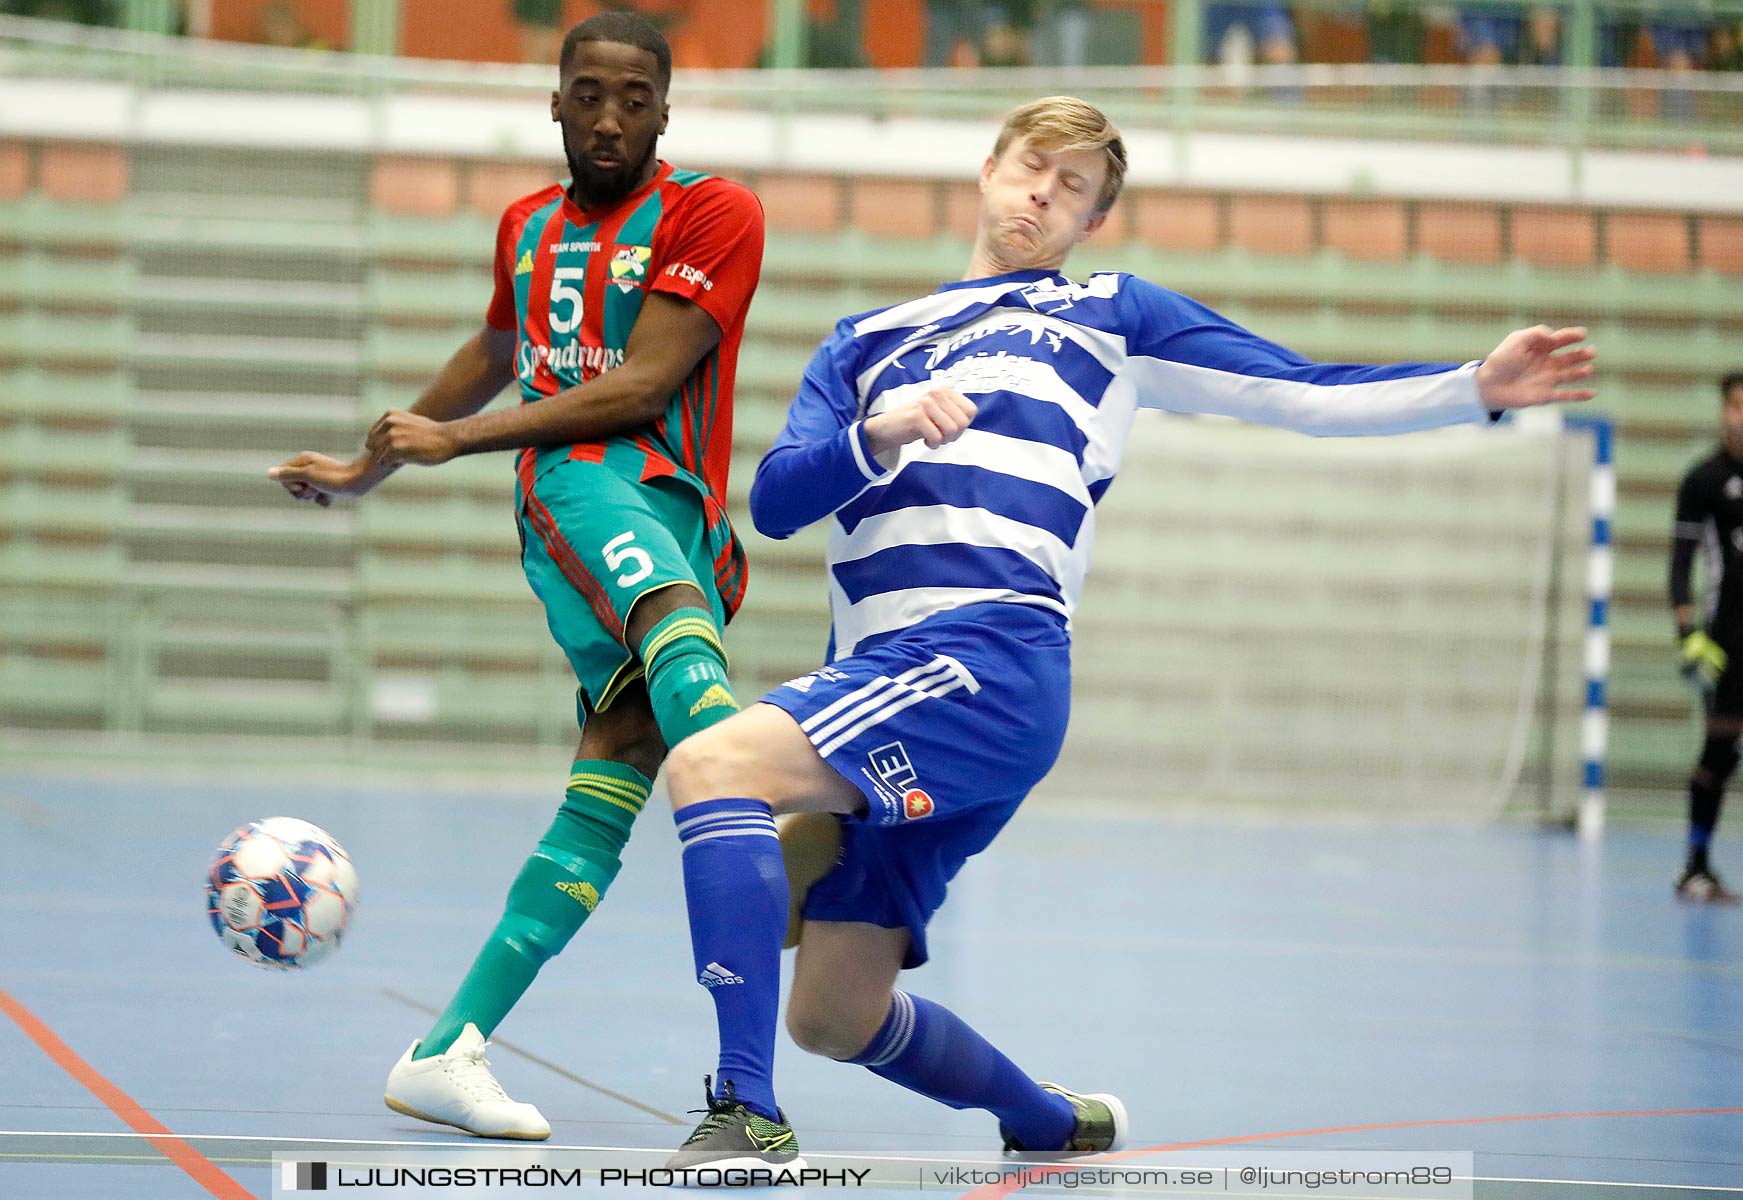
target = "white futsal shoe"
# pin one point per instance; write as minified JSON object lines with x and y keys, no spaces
{"x":456,"y":1088}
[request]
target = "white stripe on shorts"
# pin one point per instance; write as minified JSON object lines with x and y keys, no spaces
{"x":881,"y":691}
{"x":949,"y":684}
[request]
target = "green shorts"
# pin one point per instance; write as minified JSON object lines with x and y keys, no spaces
{"x":592,"y":544}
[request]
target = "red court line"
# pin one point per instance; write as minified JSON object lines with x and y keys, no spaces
{"x":203,"y":1170}
{"x":995,"y":1191}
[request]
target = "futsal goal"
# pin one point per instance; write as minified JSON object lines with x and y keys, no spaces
{"x":1374,"y":627}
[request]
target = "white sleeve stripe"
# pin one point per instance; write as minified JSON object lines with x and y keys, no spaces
{"x":854,"y":438}
{"x":1351,"y":409}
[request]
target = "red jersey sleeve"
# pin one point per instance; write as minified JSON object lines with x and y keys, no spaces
{"x":501,"y":313}
{"x":710,"y":251}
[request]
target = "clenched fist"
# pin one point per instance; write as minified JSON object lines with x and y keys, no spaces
{"x":937,"y":417}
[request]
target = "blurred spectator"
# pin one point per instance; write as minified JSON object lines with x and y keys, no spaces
{"x":1242,"y":34}
{"x":1725,"y":50}
{"x":832,"y":36}
{"x":1005,"y":42}
{"x":1488,"y":36}
{"x":1396,"y":32}
{"x":541,"y":29}
{"x":1679,"y":45}
{"x":1540,"y":38}
{"x":1679,"y":40}
{"x":281,"y":26}
{"x":1063,"y":29}
{"x":84,"y":12}
{"x":841,"y":41}
{"x":954,"y":32}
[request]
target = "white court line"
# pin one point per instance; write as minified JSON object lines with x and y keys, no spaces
{"x":1669,"y":1187}
{"x":480,"y":1144}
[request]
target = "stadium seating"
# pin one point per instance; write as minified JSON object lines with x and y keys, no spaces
{"x":161,"y":344}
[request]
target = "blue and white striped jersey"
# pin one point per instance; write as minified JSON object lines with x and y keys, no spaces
{"x":1057,"y":370}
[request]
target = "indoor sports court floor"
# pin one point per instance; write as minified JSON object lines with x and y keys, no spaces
{"x":1500,"y":991}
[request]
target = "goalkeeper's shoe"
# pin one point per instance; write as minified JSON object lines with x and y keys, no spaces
{"x":1703,"y":660}
{"x":1101,"y":1124}
{"x":732,"y":1137}
{"x":1704,"y":887}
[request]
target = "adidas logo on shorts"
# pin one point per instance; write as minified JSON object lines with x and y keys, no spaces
{"x":714,"y":975}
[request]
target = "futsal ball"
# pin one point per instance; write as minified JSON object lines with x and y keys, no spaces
{"x":280,"y":892}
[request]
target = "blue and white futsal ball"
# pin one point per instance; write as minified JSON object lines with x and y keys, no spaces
{"x":280,"y":892}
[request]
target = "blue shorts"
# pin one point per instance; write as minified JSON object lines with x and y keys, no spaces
{"x":944,"y":727}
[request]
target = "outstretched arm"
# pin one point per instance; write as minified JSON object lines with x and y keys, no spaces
{"x":478,"y":370}
{"x":1187,"y":358}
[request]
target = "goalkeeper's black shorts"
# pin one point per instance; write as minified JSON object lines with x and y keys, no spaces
{"x":1726,"y":699}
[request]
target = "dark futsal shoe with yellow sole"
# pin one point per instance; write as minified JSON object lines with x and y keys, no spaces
{"x":1101,"y":1124}
{"x":732,"y":1137}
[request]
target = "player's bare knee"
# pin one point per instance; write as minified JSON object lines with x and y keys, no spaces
{"x":711,"y":764}
{"x":838,"y":1032}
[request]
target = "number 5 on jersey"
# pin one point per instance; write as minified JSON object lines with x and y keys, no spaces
{"x":561,"y":292}
{"x":618,"y":553}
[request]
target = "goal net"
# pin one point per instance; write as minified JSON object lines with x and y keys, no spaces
{"x":1376,"y":628}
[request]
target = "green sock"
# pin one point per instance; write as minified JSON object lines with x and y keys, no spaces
{"x":557,"y":889}
{"x":686,"y":674}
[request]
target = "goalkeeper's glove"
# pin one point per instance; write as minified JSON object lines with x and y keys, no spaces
{"x":1703,"y":659}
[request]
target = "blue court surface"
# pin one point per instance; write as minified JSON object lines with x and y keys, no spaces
{"x":1544,"y":1004}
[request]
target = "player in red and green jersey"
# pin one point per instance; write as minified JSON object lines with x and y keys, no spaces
{"x":619,"y":307}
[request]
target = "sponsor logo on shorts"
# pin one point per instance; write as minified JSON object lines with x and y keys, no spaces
{"x":714,"y":975}
{"x":583,"y":893}
{"x":916,"y":804}
{"x":892,"y":765}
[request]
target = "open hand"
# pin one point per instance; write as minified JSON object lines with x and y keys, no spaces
{"x":319,"y":477}
{"x":1533,"y":366}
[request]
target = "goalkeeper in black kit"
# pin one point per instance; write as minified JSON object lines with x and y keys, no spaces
{"x":1709,"y":516}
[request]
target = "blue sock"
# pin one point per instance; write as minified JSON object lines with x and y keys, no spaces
{"x":736,"y":890}
{"x":929,"y":1049}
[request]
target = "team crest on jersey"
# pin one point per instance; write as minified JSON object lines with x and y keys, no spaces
{"x":1054,"y":295}
{"x":525,"y":265}
{"x":629,"y":266}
